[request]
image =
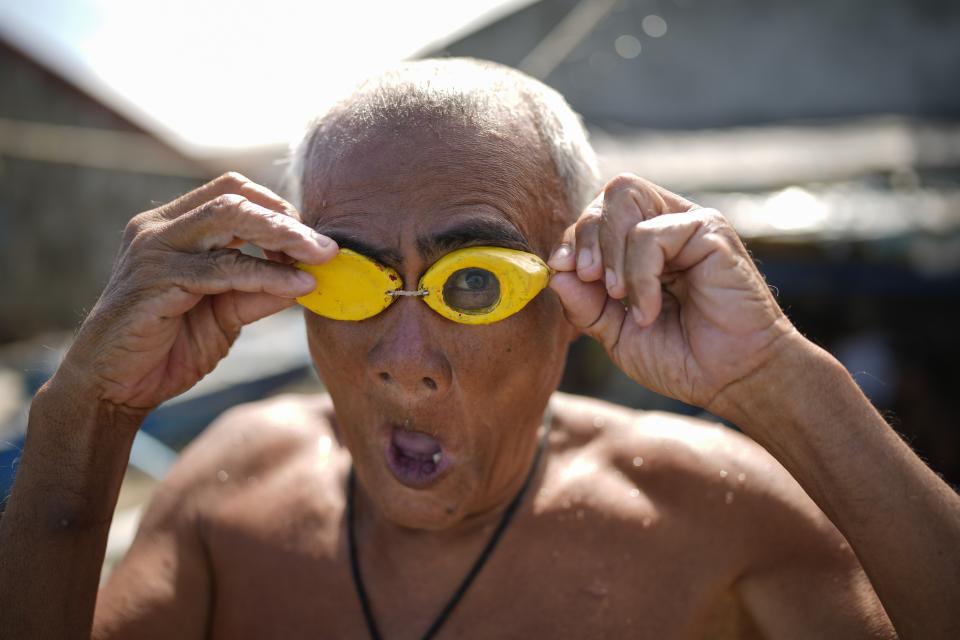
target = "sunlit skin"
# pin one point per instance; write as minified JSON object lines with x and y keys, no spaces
{"x":637,"y":524}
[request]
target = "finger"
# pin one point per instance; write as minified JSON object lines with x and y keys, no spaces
{"x":588,"y":307}
{"x":626,"y":202}
{"x":628,"y":199}
{"x":224,"y":270}
{"x":237,"y":308}
{"x":231,"y":182}
{"x":278,"y":256}
{"x":679,"y":240}
{"x":672,"y":202}
{"x":563,"y":258}
{"x":587,"y":243}
{"x":649,"y":197}
{"x":221,"y":222}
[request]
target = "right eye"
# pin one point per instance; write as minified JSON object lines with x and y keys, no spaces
{"x":471,"y":290}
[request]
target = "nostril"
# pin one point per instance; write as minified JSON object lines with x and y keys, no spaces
{"x":430,"y":384}
{"x":385,"y":376}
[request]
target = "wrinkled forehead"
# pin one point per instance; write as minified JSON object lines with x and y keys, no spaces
{"x":422,"y":172}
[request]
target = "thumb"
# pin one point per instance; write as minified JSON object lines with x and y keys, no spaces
{"x":588,"y":307}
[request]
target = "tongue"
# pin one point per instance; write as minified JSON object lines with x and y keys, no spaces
{"x":415,"y":444}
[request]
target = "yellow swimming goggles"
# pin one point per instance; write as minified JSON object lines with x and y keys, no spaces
{"x":475,"y":285}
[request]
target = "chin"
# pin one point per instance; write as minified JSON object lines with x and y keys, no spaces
{"x":432,"y":509}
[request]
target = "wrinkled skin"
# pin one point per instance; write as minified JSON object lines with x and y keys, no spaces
{"x":481,"y":390}
{"x":639,"y":525}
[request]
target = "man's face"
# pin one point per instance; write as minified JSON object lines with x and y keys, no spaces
{"x":408,"y":384}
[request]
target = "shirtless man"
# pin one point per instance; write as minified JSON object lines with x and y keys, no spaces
{"x":632,"y":525}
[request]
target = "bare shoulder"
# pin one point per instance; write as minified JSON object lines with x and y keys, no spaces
{"x":248,"y":447}
{"x":703,"y":474}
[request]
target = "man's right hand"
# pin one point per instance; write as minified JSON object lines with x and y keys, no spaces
{"x":181,"y":291}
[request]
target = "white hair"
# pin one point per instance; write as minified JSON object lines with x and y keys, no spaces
{"x":477,"y":92}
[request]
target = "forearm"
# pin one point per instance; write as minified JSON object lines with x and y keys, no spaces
{"x":902,"y":521}
{"x":53,"y":533}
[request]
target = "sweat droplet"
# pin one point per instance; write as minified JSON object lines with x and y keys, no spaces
{"x":638,"y":461}
{"x":723,"y":473}
{"x":634,"y":493}
{"x":222,"y":475}
{"x":729,"y":497}
{"x":599,"y":422}
{"x":742,"y":477}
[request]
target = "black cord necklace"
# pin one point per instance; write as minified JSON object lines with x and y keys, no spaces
{"x":474,"y":570}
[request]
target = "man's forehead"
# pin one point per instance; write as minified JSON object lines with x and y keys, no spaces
{"x":444,"y":183}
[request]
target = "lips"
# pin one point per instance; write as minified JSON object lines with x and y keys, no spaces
{"x":415,"y":458}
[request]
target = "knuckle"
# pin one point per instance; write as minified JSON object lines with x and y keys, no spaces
{"x":233,"y":179}
{"x":228,"y":201}
{"x":136,"y":228}
{"x":220,"y":206}
{"x":713,"y":218}
{"x":216,"y":265}
{"x":638,"y":232}
{"x":716,"y":224}
{"x":588,"y":221}
{"x":623,"y":182}
{"x":590,"y":213}
{"x":224,"y":260}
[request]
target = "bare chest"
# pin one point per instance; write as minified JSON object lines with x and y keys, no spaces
{"x":554,"y":577}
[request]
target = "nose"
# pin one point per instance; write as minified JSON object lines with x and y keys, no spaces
{"x":407,"y":362}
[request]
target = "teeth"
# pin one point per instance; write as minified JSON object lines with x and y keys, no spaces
{"x":436,"y":457}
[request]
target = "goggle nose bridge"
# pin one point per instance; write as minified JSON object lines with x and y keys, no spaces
{"x":419,"y":293}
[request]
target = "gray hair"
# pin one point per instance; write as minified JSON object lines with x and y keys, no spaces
{"x":476,"y":92}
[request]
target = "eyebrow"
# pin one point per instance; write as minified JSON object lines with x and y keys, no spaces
{"x":478,"y":231}
{"x":346,"y":240}
{"x":474,"y":232}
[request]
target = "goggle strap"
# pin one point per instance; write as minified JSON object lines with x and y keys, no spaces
{"x":413,"y":294}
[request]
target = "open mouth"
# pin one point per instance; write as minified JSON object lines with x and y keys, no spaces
{"x":415,"y":458}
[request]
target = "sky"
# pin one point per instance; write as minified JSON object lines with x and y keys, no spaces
{"x":215,"y":75}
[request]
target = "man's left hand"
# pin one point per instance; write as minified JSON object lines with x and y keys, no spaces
{"x":669,"y":290}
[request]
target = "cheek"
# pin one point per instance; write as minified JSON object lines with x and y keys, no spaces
{"x":337,"y":349}
{"x":521,"y":357}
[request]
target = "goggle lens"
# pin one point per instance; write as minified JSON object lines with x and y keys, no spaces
{"x":472,"y":290}
{"x":474,"y":285}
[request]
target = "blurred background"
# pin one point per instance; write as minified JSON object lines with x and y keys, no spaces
{"x":829,"y":132}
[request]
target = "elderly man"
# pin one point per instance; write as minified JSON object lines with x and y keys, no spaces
{"x":443,"y":487}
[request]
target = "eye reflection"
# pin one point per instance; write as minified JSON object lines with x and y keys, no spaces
{"x":471,"y":290}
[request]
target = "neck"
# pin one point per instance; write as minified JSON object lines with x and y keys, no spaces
{"x":487,"y":549}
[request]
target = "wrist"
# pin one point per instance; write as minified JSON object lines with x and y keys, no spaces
{"x":75,"y":399}
{"x":798,"y":377}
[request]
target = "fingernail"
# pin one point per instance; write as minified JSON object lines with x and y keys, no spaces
{"x":562,"y":252}
{"x":585,"y":259}
{"x":637,"y":315}
{"x":304,"y":279}
{"x":321,"y":239}
{"x":610,"y":278}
